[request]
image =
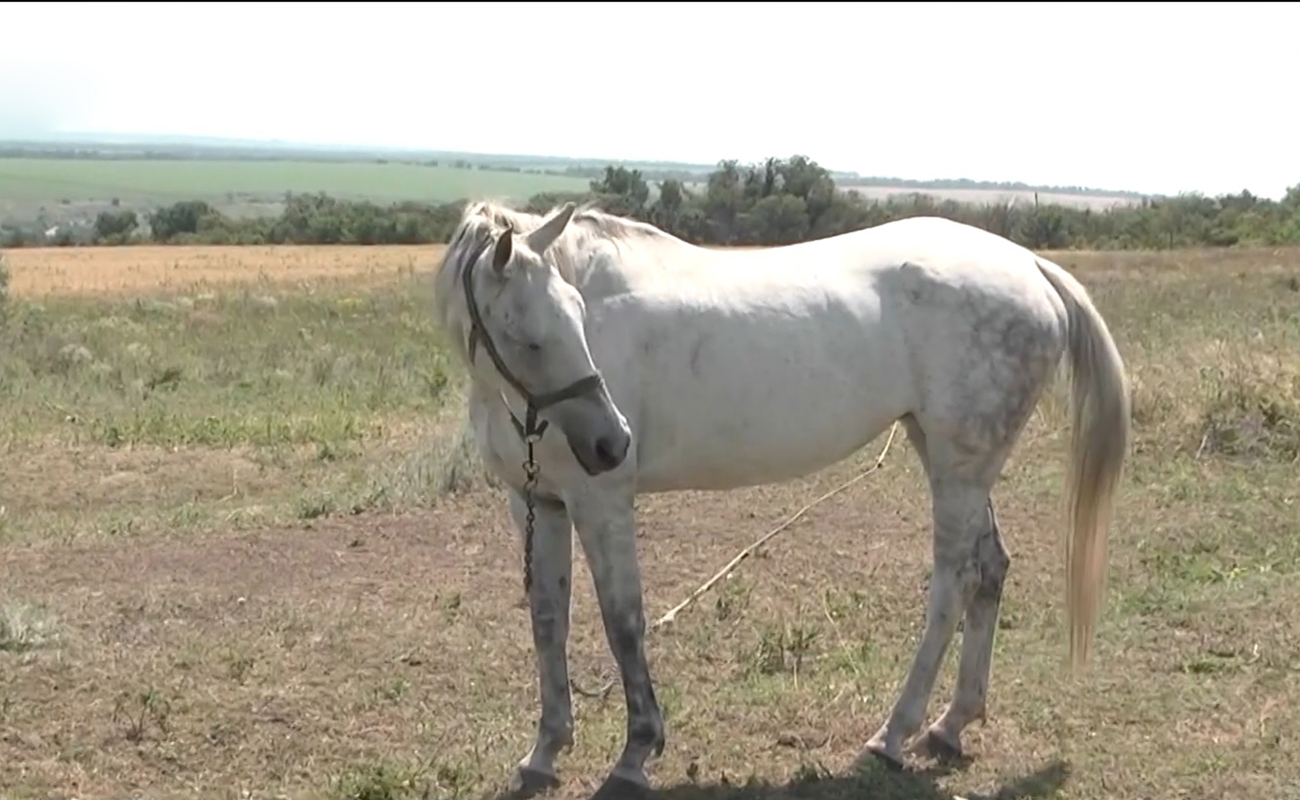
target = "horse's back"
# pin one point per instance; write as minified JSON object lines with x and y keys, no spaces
{"x":953,"y":251}
{"x":914,"y":255}
{"x":948,"y":281}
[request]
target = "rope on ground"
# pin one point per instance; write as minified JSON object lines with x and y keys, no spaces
{"x":748,"y":551}
{"x":668,"y":618}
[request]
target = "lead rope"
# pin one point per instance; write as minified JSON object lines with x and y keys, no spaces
{"x":668,"y":618}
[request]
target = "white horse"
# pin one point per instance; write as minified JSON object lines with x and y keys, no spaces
{"x":667,"y":366}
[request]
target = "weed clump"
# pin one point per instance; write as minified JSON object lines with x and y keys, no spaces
{"x":1248,"y":414}
{"x":24,"y":627}
{"x":4,"y":289}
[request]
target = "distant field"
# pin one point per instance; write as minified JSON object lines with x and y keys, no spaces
{"x":26,"y":184}
{"x":1096,"y":202}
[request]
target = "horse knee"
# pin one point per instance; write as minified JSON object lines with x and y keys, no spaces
{"x":992,"y":557}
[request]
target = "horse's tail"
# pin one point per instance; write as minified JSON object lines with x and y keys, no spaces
{"x":1100,"y":421}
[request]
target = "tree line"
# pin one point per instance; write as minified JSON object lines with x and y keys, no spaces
{"x":775,"y":202}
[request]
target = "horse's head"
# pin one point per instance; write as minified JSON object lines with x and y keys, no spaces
{"x":528,"y":322}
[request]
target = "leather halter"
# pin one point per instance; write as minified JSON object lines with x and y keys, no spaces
{"x":529,"y":430}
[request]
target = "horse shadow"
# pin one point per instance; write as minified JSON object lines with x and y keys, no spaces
{"x":868,"y":781}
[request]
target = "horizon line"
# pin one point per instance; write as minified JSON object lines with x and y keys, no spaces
{"x":69,"y":138}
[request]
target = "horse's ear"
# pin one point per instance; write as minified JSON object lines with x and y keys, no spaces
{"x":504,"y":249}
{"x":551,"y":229}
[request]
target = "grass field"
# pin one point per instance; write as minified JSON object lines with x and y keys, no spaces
{"x":29,"y":183}
{"x":247,"y":552}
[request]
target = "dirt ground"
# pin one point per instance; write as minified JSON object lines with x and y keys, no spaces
{"x":390,"y":656}
{"x":233,"y":662}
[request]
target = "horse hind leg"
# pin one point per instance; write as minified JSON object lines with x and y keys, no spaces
{"x":942,"y":739}
{"x":965,"y":446}
{"x":961,"y":478}
{"x":953,"y":581}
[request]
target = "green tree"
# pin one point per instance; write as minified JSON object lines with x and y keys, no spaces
{"x":806,"y":179}
{"x":184,"y":217}
{"x":1044,"y":228}
{"x":779,"y":219}
{"x":115,"y":226}
{"x":626,"y":187}
{"x":723,"y":202}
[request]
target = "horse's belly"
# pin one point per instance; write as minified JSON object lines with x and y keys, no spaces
{"x":772,"y":434}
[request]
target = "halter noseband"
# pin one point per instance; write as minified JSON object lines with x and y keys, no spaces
{"x":529,"y":430}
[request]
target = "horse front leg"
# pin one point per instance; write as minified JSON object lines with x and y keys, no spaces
{"x":548,"y":600}
{"x":607,"y":531}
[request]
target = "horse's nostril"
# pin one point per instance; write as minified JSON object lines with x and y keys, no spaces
{"x":610,"y":450}
{"x":605,"y":450}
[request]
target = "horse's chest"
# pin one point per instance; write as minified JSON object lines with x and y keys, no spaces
{"x":499,"y":445}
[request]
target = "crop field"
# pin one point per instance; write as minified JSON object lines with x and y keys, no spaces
{"x":30,"y":183}
{"x":49,"y":180}
{"x":166,"y":269}
{"x":247,"y":551}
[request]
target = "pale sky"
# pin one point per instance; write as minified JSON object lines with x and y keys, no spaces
{"x":1164,"y":97}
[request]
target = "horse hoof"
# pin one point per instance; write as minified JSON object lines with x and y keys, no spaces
{"x":530,"y":782}
{"x":616,"y":788}
{"x":890,"y":760}
{"x":938,"y":747}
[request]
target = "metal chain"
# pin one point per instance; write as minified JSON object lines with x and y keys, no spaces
{"x":530,"y":483}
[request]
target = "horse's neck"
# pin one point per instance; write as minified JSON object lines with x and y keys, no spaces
{"x":602,"y":268}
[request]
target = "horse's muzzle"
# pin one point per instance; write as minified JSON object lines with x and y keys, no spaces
{"x":603,"y":453}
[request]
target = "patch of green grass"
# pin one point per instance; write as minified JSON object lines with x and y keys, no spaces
{"x":24,"y":627}
{"x":142,"y":711}
{"x":139,"y":414}
{"x":221,"y":369}
{"x":382,"y":780}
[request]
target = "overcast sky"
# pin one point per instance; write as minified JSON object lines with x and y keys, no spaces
{"x":1158,"y":98}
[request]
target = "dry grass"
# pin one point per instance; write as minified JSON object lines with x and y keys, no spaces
{"x":312,"y":615}
{"x":160,"y":269}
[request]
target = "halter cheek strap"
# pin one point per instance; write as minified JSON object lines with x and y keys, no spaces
{"x":529,"y":430}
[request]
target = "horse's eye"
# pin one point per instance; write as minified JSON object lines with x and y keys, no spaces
{"x":535,"y":347}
